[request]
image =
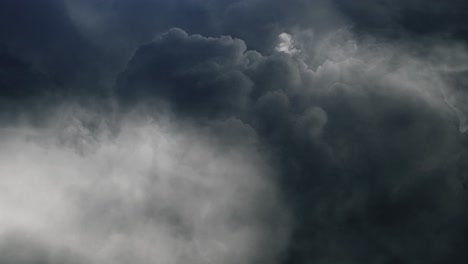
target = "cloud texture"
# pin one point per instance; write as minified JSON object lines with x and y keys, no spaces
{"x":246,"y":131}
{"x":149,"y":192}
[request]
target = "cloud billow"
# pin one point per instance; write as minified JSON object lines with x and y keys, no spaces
{"x":351,"y":136}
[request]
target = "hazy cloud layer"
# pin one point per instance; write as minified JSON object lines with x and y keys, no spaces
{"x":154,"y":191}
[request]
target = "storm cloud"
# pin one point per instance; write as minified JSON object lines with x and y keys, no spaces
{"x":248,"y":131}
{"x":351,"y":135}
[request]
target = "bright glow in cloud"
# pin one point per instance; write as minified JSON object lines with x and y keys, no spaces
{"x":285,"y":44}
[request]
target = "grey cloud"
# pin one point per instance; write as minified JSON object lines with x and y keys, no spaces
{"x":19,"y":248}
{"x":351,"y":135}
{"x":158,"y":190}
{"x":195,"y":73}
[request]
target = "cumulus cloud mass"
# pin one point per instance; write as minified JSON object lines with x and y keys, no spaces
{"x":233,"y":131}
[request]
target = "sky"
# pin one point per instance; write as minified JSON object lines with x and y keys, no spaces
{"x":233,"y":131}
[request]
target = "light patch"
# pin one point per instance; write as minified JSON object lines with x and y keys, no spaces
{"x":285,"y":44}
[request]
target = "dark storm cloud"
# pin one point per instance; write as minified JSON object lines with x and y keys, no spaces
{"x":352,"y":137}
{"x":355,"y":110}
{"x":195,"y":73}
